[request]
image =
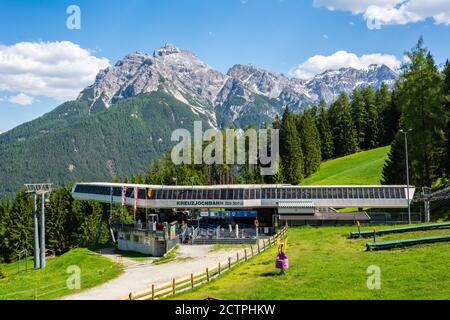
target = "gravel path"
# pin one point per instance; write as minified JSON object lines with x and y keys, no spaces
{"x":140,"y":276}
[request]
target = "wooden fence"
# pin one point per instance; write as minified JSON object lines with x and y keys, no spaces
{"x":197,"y":279}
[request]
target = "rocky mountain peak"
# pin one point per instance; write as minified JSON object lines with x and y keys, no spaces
{"x":165,"y":50}
{"x":183,"y":75}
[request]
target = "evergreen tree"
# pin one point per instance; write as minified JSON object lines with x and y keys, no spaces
{"x":389,"y":114}
{"x":359,"y":116}
{"x":58,"y":219}
{"x":371,"y":132}
{"x":19,"y":233}
{"x":446,"y":153}
{"x":5,"y":209}
{"x":421,"y":98}
{"x":384,"y":105}
{"x":86,"y":216}
{"x":344,"y":133}
{"x":290,"y":150}
{"x":326,"y":136}
{"x":310,"y":141}
{"x":394,"y":170}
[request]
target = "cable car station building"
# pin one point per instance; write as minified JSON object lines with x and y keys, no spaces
{"x":263,"y":206}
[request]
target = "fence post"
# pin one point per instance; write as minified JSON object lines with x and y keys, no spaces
{"x":130,"y":296}
{"x":219,"y":268}
{"x":258,"y":246}
{"x":153,"y":292}
{"x":251,"y":248}
{"x":229,"y":263}
{"x":173,"y":286}
{"x":207,"y":274}
{"x":245,"y":251}
{"x":237,"y":257}
{"x":192,"y":280}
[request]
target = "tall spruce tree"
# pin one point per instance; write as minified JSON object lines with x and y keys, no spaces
{"x":58,"y":217}
{"x":326,"y":136}
{"x":394,"y":170}
{"x":311,"y":146}
{"x":446,"y":153}
{"x":371,"y":132}
{"x":421,"y":98}
{"x":5,"y":209}
{"x":422,"y":104}
{"x":290,"y":150}
{"x":344,"y":132}
{"x":389,"y":115}
{"x":19,"y":231}
{"x":359,"y":116}
{"x":384,"y":105}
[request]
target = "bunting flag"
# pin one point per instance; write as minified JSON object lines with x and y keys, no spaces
{"x":136,"y":198}
{"x":124,"y":196}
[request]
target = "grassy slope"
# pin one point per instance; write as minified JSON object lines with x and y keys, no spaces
{"x":50,"y":283}
{"x":359,"y":168}
{"x":324,"y":264}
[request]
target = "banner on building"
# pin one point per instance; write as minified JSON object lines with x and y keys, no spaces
{"x":124,"y":196}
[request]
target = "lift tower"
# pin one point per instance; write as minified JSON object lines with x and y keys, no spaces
{"x":39,"y":189}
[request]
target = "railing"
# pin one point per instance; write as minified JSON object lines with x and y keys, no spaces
{"x":197,"y":279}
{"x":224,"y":233}
{"x":393,"y":217}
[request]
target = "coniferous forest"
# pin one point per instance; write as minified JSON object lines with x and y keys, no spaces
{"x":418,"y":105}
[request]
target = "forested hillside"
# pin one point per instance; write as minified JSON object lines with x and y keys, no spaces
{"x":120,"y":141}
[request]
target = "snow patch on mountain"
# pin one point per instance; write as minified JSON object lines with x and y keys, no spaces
{"x":183,"y":75}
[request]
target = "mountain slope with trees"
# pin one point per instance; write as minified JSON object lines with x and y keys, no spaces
{"x":119,"y":141}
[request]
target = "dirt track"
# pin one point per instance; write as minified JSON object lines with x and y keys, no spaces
{"x":140,"y":276}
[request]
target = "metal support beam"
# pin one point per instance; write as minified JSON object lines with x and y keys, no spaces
{"x":105,"y":218}
{"x":39,"y":189}
{"x":427,"y":211}
{"x":37,"y":258}
{"x":43,"y":231}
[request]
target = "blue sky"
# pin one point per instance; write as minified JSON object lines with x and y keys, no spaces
{"x":275,"y":34}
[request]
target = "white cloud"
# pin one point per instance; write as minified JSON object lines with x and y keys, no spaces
{"x":59,"y":70}
{"x":342,"y":59}
{"x":21,"y":99}
{"x":386,"y":12}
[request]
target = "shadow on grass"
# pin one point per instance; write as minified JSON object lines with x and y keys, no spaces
{"x":270,"y":274}
{"x":132,"y":255}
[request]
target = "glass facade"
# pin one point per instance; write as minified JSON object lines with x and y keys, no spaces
{"x":250,"y":193}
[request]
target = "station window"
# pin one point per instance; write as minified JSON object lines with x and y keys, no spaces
{"x":273,"y":193}
{"x":280,"y":193}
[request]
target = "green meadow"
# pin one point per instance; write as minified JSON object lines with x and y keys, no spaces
{"x":363,"y":168}
{"x":51,"y":282}
{"x":325,"y":264}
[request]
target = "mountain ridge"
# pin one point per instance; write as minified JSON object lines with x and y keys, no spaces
{"x":183,"y":75}
{"x":124,"y":119}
